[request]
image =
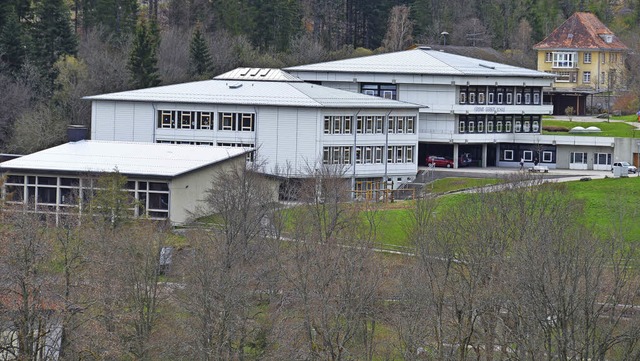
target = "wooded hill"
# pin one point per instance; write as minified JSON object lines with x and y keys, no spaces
{"x":53,"y":52}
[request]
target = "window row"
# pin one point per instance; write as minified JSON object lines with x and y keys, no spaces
{"x":570,"y":59}
{"x":63,"y":194}
{"x":546,"y":156}
{"x":250,"y":155}
{"x":500,"y":95}
{"x":181,"y":119}
{"x":499,"y":124}
{"x":598,"y":158}
{"x":368,"y":154}
{"x":369,"y":124}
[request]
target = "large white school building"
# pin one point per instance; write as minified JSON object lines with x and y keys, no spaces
{"x":489,"y":111}
{"x":294,"y":126}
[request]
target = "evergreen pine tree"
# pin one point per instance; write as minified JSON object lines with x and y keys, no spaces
{"x":116,"y":17}
{"x":142,"y":61}
{"x":200,"y":63}
{"x":12,"y":44}
{"x":54,"y":34}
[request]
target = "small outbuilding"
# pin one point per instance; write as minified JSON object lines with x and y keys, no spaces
{"x":167,"y":181}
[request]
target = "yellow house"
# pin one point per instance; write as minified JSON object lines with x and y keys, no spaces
{"x":587,"y":59}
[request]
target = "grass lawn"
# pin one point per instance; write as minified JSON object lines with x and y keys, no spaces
{"x":609,"y":129}
{"x":611,"y":204}
{"x":626,"y":118}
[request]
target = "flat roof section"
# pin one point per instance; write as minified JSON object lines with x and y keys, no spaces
{"x":150,"y":159}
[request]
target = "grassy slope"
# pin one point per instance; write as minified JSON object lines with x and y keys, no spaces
{"x":609,"y":129}
{"x":610,"y":204}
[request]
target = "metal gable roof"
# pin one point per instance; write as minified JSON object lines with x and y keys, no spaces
{"x":245,"y":92}
{"x":151,"y":159}
{"x":420,"y":61}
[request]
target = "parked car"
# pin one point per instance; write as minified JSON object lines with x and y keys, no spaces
{"x":439,"y":161}
{"x":630,"y":167}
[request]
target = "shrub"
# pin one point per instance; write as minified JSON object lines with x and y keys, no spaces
{"x":554,"y":128}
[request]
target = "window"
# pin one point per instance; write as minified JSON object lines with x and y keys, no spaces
{"x":500,"y":98}
{"x":518,"y":126}
{"x":499,"y":127}
{"x":518,"y":98}
{"x":489,"y":126}
{"x":461,"y":127}
{"x":226,"y":122}
{"x":410,"y":125}
{"x":578,"y":157}
{"x":387,"y":91}
{"x":244,"y":122}
{"x":535,"y":126}
{"x":471,"y":127}
{"x":548,"y":57}
{"x":602,"y":58}
{"x":400,"y":124}
{"x":166,"y":119}
{"x":602,"y":159}
{"x":509,"y":98}
{"x":481,"y":98}
{"x":463,"y":97}
{"x":508,"y":154}
{"x":564,"y":60}
{"x":527,"y":155}
{"x":613,"y":57}
{"x":378,"y":155}
{"x":390,"y":155}
{"x":247,"y":122}
{"x":507,"y":127}
{"x":205,"y":121}
{"x":480,"y":126}
{"x":185,"y":120}
{"x":586,"y":77}
{"x":536,"y":97}
{"x":490,"y":98}
{"x":587,"y":58}
{"x":527,"y":98}
{"x":472,"y":98}
{"x":526,"y":127}
{"x":369,"y":124}
{"x":409,"y":154}
{"x":379,"y":124}
{"x":602,"y":77}
{"x":547,"y":157}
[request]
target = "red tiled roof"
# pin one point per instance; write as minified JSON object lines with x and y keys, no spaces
{"x":581,"y":31}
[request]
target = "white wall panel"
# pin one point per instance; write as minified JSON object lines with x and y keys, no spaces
{"x":102,"y":126}
{"x":144,"y":122}
{"x":123,"y":121}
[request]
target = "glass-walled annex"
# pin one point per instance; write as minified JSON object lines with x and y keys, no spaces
{"x":52,"y":194}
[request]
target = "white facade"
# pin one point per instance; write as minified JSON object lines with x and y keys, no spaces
{"x":291,"y":125}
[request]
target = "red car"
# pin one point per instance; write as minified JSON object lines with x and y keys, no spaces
{"x":438,"y":161}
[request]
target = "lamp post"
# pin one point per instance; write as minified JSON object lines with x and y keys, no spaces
{"x":444,"y":37}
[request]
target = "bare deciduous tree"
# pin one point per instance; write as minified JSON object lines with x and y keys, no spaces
{"x":399,"y":29}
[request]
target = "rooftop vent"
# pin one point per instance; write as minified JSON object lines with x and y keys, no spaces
{"x":423,"y":47}
{"x":235,"y":85}
{"x":487,"y":66}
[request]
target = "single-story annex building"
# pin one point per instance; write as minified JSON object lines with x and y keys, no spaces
{"x":168,"y":181}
